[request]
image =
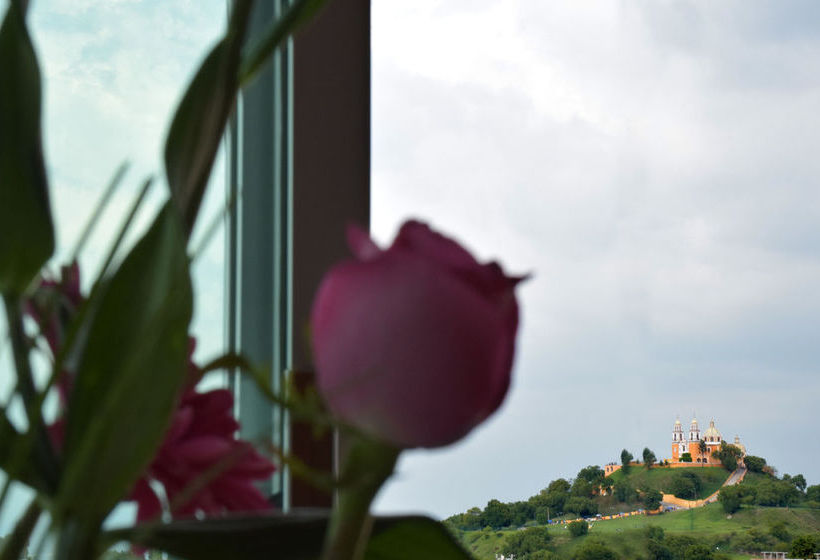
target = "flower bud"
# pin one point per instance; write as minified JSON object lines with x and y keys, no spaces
{"x":414,"y":344}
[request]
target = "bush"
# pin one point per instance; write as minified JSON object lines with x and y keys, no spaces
{"x":654,"y":533}
{"x":497,"y":514}
{"x":594,"y":550}
{"x":803,"y":547}
{"x":779,"y":531}
{"x":581,"y":506}
{"x":686,"y":485}
{"x":578,"y":528}
{"x":698,"y":552}
{"x":659,"y":551}
{"x":525,"y":543}
{"x":777,"y":493}
{"x":652,"y":499}
{"x":678,"y":545}
{"x":624,"y":492}
{"x":753,"y":540}
{"x":729,"y":497}
{"x":754,"y":463}
{"x":543,"y":555}
{"x":728,"y":455}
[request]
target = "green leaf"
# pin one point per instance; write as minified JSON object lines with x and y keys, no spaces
{"x":294,"y":16}
{"x":294,"y":536}
{"x":410,"y":538}
{"x":26,"y":228}
{"x":200,"y":119}
{"x":129,"y":375}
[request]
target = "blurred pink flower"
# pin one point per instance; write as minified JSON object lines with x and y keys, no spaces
{"x":201,"y":458}
{"x":414,"y":344}
{"x":201,"y":464}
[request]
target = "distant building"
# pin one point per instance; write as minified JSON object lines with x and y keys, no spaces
{"x":701,"y":448}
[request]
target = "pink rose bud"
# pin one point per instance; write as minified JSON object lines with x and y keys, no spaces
{"x":414,"y":344}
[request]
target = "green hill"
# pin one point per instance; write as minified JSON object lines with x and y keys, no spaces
{"x":751,"y":530}
{"x":774,"y":513}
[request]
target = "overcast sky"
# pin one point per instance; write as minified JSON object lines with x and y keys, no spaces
{"x":653,"y":164}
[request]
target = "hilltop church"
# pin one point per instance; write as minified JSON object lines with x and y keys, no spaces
{"x":700,"y":448}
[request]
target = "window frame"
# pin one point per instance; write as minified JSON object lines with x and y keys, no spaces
{"x":299,"y":173}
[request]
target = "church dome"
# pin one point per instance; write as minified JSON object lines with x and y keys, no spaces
{"x":712,"y":434}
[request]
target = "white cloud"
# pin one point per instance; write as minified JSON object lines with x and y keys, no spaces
{"x":653,"y":163}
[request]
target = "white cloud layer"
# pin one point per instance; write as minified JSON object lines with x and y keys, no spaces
{"x":653,"y":164}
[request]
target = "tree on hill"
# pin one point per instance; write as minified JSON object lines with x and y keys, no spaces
{"x":702,"y":447}
{"x":497,"y":514}
{"x":521,"y":512}
{"x":775,"y":493}
{"x":658,"y":550}
{"x":652,"y":499}
{"x":754,"y":463}
{"x":648,"y":458}
{"x":654,"y":533}
{"x":606,"y":485}
{"x":728,"y":455}
{"x":559,"y":485}
{"x":698,"y":552}
{"x":470,"y":520}
{"x":626,"y":458}
{"x":582,"y":506}
{"x":686,"y":485}
{"x":813,"y":493}
{"x":780,"y":531}
{"x":798,"y":480}
{"x":524,"y":543}
{"x":686,"y":458}
{"x":543,"y":555}
{"x":553,"y":496}
{"x":624,"y":492}
{"x":729,"y":497}
{"x":803,"y":547}
{"x":582,"y":488}
{"x":592,"y":474}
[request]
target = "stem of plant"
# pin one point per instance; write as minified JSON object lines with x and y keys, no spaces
{"x":77,"y":540}
{"x":367,"y":466}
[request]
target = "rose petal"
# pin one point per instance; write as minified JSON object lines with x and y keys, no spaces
{"x":360,"y":244}
{"x":402,"y":348}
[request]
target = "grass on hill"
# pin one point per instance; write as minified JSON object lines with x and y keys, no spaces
{"x":627,"y":536}
{"x":660,"y":478}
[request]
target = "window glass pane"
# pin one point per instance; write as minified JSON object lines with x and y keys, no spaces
{"x":113,"y":73}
